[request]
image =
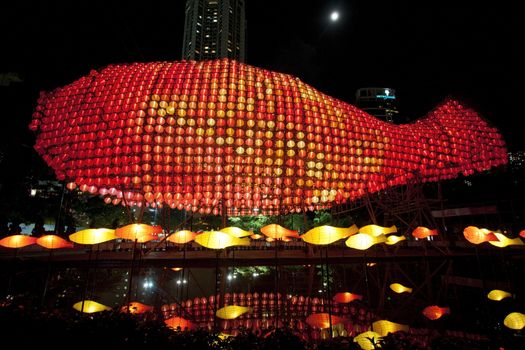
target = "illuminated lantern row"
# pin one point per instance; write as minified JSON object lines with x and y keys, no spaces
{"x":214,"y":135}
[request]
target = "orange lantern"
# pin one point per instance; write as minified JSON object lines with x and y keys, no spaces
{"x":399,"y":288}
{"x":182,"y":237}
{"x":17,"y":241}
{"x":346,"y":297}
{"x":479,"y":235}
{"x":322,"y":320}
{"x":179,"y":322}
{"x":276,"y":231}
{"x":136,"y":308}
{"x":93,"y":236}
{"x":435,"y":312}
{"x":423,"y":232}
{"x":139,"y":232}
{"x":53,"y":242}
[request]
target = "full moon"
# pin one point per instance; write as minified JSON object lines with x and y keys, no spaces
{"x":334,"y":16}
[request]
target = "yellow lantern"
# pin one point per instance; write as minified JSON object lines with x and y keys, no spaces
{"x":232,"y":311}
{"x":383,"y":327}
{"x":362,"y":241}
{"x":90,"y":306}
{"x":93,"y":236}
{"x":322,"y":320}
{"x":399,"y":288}
{"x":504,"y":241}
{"x":498,"y":295}
{"x":375,"y":230}
{"x":53,"y":242}
{"x":515,"y":320}
{"x":236,"y":232}
{"x":367,"y":340}
{"x":393,"y":239}
{"x":182,"y":237}
{"x":17,"y":241}
{"x":140,"y":232}
{"x":323,"y":235}
{"x":219,"y":240}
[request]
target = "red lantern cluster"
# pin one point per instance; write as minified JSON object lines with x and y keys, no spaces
{"x":209,"y":135}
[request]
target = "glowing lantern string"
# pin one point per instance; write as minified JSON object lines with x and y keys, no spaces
{"x":90,"y":306}
{"x":17,"y":241}
{"x":254,"y":141}
{"x":323,"y":235}
{"x":383,"y":327}
{"x":399,"y":288}
{"x":53,"y":242}
{"x":93,"y":236}
{"x":232,"y":311}
{"x":498,"y":295}
{"x":423,"y":232}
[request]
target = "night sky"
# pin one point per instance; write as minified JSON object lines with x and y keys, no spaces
{"x":425,"y":50}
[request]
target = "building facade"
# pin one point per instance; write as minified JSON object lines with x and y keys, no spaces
{"x":214,"y":29}
{"x":379,"y":102}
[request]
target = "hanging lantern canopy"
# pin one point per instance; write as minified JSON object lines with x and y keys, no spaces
{"x":232,"y":311}
{"x":90,"y":306}
{"x":423,"y":232}
{"x":399,"y":288}
{"x":53,"y":242}
{"x":156,"y":134}
{"x":93,"y":236}
{"x":383,"y":327}
{"x":323,"y":235}
{"x":498,"y":295}
{"x":17,"y":241}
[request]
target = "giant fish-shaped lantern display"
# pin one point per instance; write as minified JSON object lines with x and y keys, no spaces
{"x":214,"y":135}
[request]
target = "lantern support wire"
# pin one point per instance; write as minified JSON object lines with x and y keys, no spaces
{"x":130,"y":279}
{"x":47,"y":277}
{"x":328,"y":291}
{"x":84,"y":293}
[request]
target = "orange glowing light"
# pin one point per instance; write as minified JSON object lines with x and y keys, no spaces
{"x":93,"y":236}
{"x":322,"y":320}
{"x":479,"y":235}
{"x":182,"y":237}
{"x":53,"y":242}
{"x":140,"y":232}
{"x":423,"y":232}
{"x":346,"y":297}
{"x":435,"y":312}
{"x":276,"y":231}
{"x":17,"y":241}
{"x":136,"y":308}
{"x":179,"y":322}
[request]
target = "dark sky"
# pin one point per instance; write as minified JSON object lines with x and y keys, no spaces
{"x":425,"y":50}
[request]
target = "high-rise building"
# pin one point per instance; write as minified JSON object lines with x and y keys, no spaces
{"x":214,"y":29}
{"x":379,"y":102}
